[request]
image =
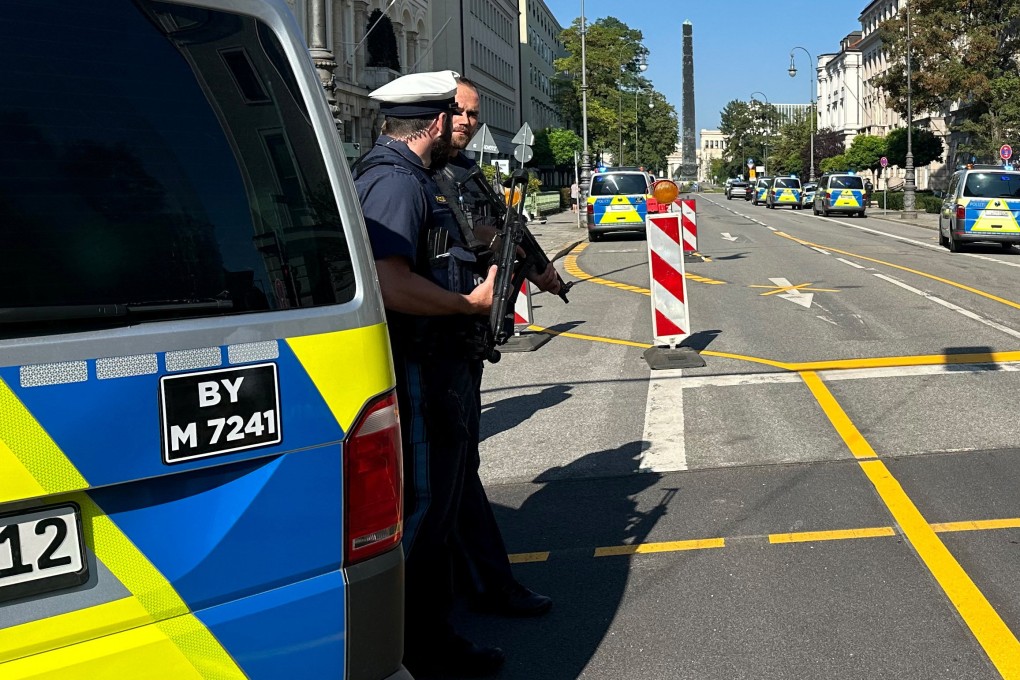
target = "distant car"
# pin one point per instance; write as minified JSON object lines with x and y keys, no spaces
{"x":840,"y":192}
{"x":784,"y":191}
{"x":761,"y":188}
{"x":748,"y":192}
{"x":808,"y":195}
{"x":736,"y":188}
{"x":982,"y":204}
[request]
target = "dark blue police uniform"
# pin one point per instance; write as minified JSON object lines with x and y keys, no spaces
{"x":438,"y":372}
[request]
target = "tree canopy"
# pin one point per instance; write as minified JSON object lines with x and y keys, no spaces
{"x":865,"y":152}
{"x":926,"y":146}
{"x":612,"y":54}
{"x":963,"y":53}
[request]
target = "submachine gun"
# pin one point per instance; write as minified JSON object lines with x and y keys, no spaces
{"x":510,"y":269}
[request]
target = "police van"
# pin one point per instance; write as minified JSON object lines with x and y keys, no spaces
{"x":982,"y":204}
{"x":617,"y":201}
{"x":842,"y":192}
{"x":200,"y":466}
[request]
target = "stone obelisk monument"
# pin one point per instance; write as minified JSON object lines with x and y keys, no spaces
{"x":688,"y":158}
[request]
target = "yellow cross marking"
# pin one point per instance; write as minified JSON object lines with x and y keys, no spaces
{"x":798,"y":287}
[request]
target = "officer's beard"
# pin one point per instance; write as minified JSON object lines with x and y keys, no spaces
{"x":442,"y":146}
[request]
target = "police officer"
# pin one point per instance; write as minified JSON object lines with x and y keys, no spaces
{"x":436,"y":302}
{"x":481,"y":553}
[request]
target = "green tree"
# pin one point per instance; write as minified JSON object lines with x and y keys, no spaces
{"x":563,"y":144}
{"x":717,"y":170}
{"x":828,"y":144}
{"x":865,"y":152}
{"x":925,"y":145}
{"x":613,"y":51}
{"x":960,"y":52}
{"x":749,"y":130}
{"x":835,"y":163}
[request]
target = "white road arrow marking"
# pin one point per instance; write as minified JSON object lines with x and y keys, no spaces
{"x":793,"y":295}
{"x":726,"y":236}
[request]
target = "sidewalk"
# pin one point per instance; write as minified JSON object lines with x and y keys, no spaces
{"x":926,"y":220}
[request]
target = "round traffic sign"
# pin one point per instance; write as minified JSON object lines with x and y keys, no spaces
{"x":523,"y":153}
{"x":1005,"y":152}
{"x":884,"y":162}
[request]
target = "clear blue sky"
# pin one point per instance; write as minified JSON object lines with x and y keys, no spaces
{"x":739,"y":46}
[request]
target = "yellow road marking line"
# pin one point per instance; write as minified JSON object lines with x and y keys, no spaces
{"x":571,"y":267}
{"x":669,"y":546}
{"x":830,"y":365}
{"x":521,"y":558}
{"x":988,"y":628}
{"x":832,"y":535}
{"x":780,"y":538}
{"x":851,"y":436}
{"x":785,"y":289}
{"x":977,"y":525}
{"x":969,"y":289}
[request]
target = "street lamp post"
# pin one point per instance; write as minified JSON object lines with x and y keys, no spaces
{"x":909,"y":206}
{"x":585,"y":157}
{"x":814,"y":116}
{"x":651,"y":105}
{"x":765,"y":160}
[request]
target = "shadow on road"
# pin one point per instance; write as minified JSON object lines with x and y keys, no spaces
{"x":508,"y":413}
{"x":569,"y":516}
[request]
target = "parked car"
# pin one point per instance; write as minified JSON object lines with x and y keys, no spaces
{"x":841,"y":192}
{"x":617,"y":201}
{"x":808,"y":195}
{"x":761,"y":188}
{"x":736,"y":188}
{"x":784,"y":191}
{"x":982,"y":204}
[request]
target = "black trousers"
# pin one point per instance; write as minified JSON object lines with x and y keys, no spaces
{"x":480,"y":559}
{"x":440,"y":408}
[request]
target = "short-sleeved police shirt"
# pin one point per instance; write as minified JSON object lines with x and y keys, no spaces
{"x":393,"y":200}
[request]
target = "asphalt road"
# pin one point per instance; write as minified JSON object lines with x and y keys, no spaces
{"x":831,"y":496}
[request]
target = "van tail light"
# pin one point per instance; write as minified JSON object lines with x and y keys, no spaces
{"x":591,"y":208}
{"x":961,"y":212}
{"x":373,"y":482}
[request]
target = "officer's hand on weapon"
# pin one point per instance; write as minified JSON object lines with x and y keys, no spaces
{"x":548,"y":280}
{"x":480,"y":299}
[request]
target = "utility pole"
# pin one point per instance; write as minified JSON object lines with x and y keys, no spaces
{"x":585,"y":156}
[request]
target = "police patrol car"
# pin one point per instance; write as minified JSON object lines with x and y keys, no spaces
{"x":199,"y":442}
{"x":617,"y":201}
{"x":982,"y":204}
{"x":784,"y":191}
{"x":841,"y":192}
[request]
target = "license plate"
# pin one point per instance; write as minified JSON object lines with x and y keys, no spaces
{"x":621,"y":208}
{"x":995,"y":213}
{"x":222,"y":411}
{"x":41,"y":550}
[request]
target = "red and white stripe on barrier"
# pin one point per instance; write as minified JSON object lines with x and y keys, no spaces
{"x":689,"y":215}
{"x":670,"y":320}
{"x":522,"y":308}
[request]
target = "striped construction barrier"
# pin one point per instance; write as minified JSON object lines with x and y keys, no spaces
{"x":689,"y":219}
{"x":670,"y":318}
{"x":522,"y":309}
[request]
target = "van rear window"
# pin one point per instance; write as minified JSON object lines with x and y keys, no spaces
{"x":170,"y":171}
{"x":787,"y":183}
{"x":846,"y":182}
{"x":992,"y":185}
{"x":619,"y":185}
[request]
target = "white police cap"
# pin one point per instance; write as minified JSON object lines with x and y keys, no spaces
{"x":418,"y":95}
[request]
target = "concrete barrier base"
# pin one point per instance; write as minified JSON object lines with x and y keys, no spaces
{"x":659,"y":358}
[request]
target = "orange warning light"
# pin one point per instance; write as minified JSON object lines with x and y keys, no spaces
{"x":665,"y":191}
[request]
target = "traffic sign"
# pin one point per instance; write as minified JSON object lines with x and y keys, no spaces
{"x":523,"y":154}
{"x":524,"y":136}
{"x":1005,"y":152}
{"x":884,"y":162}
{"x":483,"y":141}
{"x":750,"y":162}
